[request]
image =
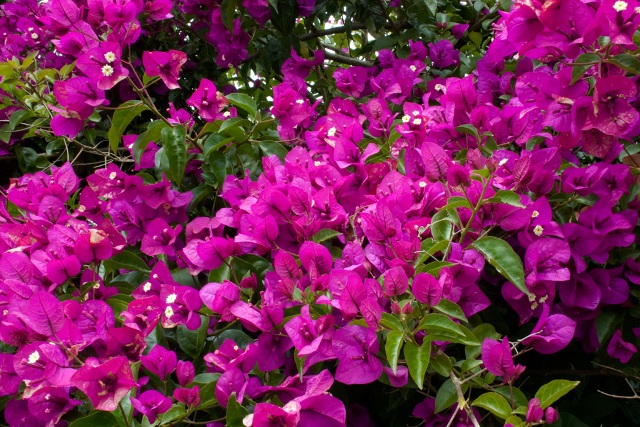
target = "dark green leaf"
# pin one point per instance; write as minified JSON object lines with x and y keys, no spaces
{"x":121,"y":119}
{"x":227,"y":12}
{"x":126,"y":260}
{"x":446,"y":396}
{"x":273,"y":148}
{"x":325,"y":234}
{"x":417,"y":358}
{"x":432,"y":5}
{"x":428,"y":247}
{"x":494,"y":403}
{"x":551,"y":392}
{"x":627,"y":62}
{"x":502,"y":256}
{"x":584,"y":62}
{"x":152,"y":133}
{"x":174,"y":144}
{"x":518,"y":396}
{"x":98,"y":418}
{"x":507,"y":197}
{"x":244,"y":102}
{"x":18,"y":117}
{"x":392,"y":348}
{"x":192,"y":342}
{"x":441,"y":364}
{"x":235,"y":412}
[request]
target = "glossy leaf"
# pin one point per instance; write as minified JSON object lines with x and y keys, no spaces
{"x":494,"y":403}
{"x":121,"y":119}
{"x":126,"y":260}
{"x":417,"y":358}
{"x":502,"y":256}
{"x":392,"y":348}
{"x":551,"y":392}
{"x":174,"y":144}
{"x":244,"y":102}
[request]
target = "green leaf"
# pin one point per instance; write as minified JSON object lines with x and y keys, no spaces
{"x":174,"y":144}
{"x":457,"y":202}
{"x":175,"y":413}
{"x":584,"y":63}
{"x":502,"y":256}
{"x":18,"y":116}
{"x":606,"y":323}
{"x":98,"y":418}
{"x":389,"y":321}
{"x":244,"y":102}
{"x":192,"y":342}
{"x":227,"y":12}
{"x":551,"y":392}
{"x":518,"y":396}
{"x":451,"y":309}
{"x":494,"y":403}
{"x":126,"y":260}
{"x":469,"y":129}
{"x":447,"y":395}
{"x":429,"y":247}
{"x":325,"y":234}
{"x":392,"y":348}
{"x":121,"y":119}
{"x":627,"y":62}
{"x":442,"y":224}
{"x":507,"y":197}
{"x":432,"y":5}
{"x":417,"y":359}
{"x":441,"y":364}
{"x":235,"y":412}
{"x":271,"y":148}
{"x":152,"y":133}
{"x":440,"y":327}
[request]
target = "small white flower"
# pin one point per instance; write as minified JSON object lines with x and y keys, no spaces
{"x":146,"y":287}
{"x":107,"y":70}
{"x":110,"y":57}
{"x":34,"y":36}
{"x":413,"y":68}
{"x":538,"y":230}
{"x":417,"y":121}
{"x":226,"y":114}
{"x":502,"y":162}
{"x":422,"y":184}
{"x":168,"y":312}
{"x":299,"y":101}
{"x":317,"y":163}
{"x":535,"y":214}
{"x":112,"y":175}
{"x":331,"y":132}
{"x":406,"y":118}
{"x":620,"y":6}
{"x":33,"y":357}
{"x":171,"y":298}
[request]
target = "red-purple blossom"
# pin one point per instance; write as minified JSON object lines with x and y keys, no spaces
{"x":164,"y":64}
{"x":356,"y":348}
{"x":104,"y":384}
{"x":102,"y":65}
{"x":534,"y":411}
{"x":160,"y":361}
{"x":497,"y":358}
{"x":151,"y":403}
{"x":552,"y":333}
{"x":208,"y":101}
{"x":620,"y":349}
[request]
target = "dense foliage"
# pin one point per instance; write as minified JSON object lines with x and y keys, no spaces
{"x":319,"y":213}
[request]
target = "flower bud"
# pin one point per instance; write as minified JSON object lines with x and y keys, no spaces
{"x":550,"y":415}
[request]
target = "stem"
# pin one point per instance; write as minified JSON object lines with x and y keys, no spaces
{"x":124,"y":415}
{"x":462,"y":402}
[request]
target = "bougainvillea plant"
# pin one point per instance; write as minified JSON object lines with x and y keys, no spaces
{"x":319,"y":213}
